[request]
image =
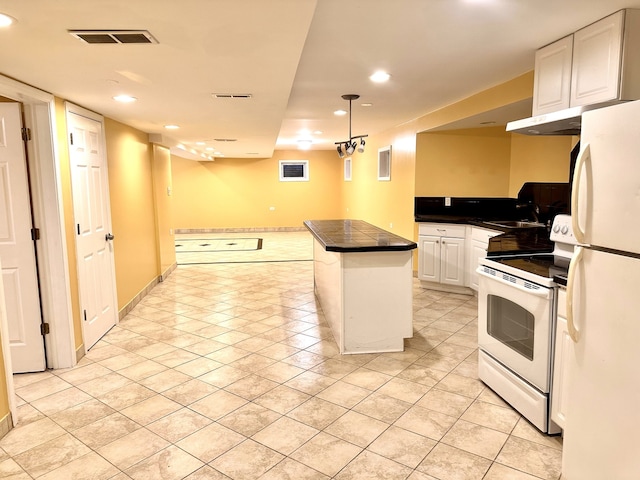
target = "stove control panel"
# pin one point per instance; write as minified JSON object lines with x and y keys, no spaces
{"x":562,"y":231}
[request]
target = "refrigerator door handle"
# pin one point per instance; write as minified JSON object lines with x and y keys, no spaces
{"x":574,"y":333}
{"x":583,"y":157}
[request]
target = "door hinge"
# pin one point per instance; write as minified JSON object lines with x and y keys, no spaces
{"x":71,"y":138}
{"x":35,"y":234}
{"x":26,"y":134}
{"x":85,"y":315}
{"x":44,"y":329}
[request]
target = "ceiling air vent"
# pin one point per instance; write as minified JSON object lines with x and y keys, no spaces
{"x":113,"y":36}
{"x":231,"y":95}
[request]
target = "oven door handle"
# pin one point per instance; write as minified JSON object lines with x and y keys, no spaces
{"x":574,"y":333}
{"x":544,"y":292}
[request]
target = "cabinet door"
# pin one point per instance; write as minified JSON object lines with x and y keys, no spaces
{"x":478,"y":251}
{"x":597,"y":53}
{"x":552,"y":77}
{"x":429,"y":258}
{"x":452,"y":261}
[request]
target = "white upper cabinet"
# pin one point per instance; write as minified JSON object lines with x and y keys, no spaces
{"x":597,"y":64}
{"x":552,"y":77}
{"x":596,"y":61}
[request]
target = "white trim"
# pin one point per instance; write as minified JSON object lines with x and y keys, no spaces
{"x":49,"y":217}
{"x":384,"y":171}
{"x":305,"y":170}
{"x":348,"y":164}
{"x":6,"y":356}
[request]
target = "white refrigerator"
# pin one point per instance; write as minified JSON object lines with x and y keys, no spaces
{"x":602,"y":430}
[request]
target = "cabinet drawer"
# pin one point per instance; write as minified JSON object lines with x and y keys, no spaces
{"x":483,"y":234}
{"x":442,"y":230}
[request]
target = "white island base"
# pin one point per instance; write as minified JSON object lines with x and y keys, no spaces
{"x":366,"y":297}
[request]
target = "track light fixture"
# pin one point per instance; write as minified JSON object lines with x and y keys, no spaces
{"x":347,"y":147}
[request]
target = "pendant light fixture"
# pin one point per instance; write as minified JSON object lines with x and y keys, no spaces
{"x":347,"y":147}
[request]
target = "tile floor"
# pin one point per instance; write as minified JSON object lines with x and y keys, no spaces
{"x":230,"y":371}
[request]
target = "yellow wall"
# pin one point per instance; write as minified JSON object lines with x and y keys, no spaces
{"x":238,"y":193}
{"x":463,"y":163}
{"x":132,"y":209}
{"x":163,"y":207}
{"x":538,"y":159}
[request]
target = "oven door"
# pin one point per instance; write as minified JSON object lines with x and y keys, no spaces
{"x":515,"y":323}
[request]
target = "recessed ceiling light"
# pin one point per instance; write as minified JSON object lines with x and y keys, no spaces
{"x":6,"y":20}
{"x":200,"y":143}
{"x":304,"y":144}
{"x":124,"y":98}
{"x":171,"y":127}
{"x":379,"y":77}
{"x":366,"y":104}
{"x":340,"y":112}
{"x":209,"y":149}
{"x":318,"y":132}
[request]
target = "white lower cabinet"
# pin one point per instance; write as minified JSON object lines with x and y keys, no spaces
{"x":441,"y":253}
{"x":479,"y":243}
{"x":559,"y":403}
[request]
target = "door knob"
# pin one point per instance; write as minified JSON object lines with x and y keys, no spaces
{"x":108,"y":236}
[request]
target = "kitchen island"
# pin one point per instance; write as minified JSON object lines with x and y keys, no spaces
{"x":363,"y":279}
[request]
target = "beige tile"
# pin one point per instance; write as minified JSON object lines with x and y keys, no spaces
{"x":206,"y":473}
{"x":404,"y":390}
{"x":171,"y":463}
{"x":132,"y":448}
{"x":281,"y":372}
{"x":453,"y":464}
{"x":334,"y":368}
{"x":305,"y":359}
{"x":165,"y":380}
{"x":279,"y":351}
{"x":285,"y":435}
{"x":282,"y":399}
{"x":119,"y":362}
{"x":382,"y":407}
{"x":249,"y":419}
{"x":190,"y":392}
{"x":468,"y":387}
{"x":28,"y":414}
{"x":503,"y":419}
{"x":423,"y":375}
{"x":106,"y":430}
{"x":475,"y":439}
{"x":179,"y":424}
{"x":386,"y":365}
{"x":500,"y":472}
{"x":105,"y":384}
{"x":402,"y":446}
{"x":42,"y":388}
{"x":210,"y":442}
{"x":23,"y":379}
{"x":91,"y":466}
{"x":198,"y":367}
{"x":310,"y":382}
{"x":76,"y":376}
{"x":251,"y":386}
{"x":151,"y":409}
{"x":344,"y":394}
{"x":228,"y":354}
{"x":369,"y":466}
{"x":527,"y":431}
{"x":125,"y":396}
{"x":356,"y":428}
{"x":82,"y":414}
{"x":142,"y":370}
{"x":247,"y":461}
{"x":365,"y":378}
{"x":426,"y":422}
{"x":289,"y":469}
{"x":10,"y":470}
{"x":218,"y":404}
{"x":445,"y":402}
{"x":51,"y":455}
{"x":326,"y":453}
{"x":439,"y":362}
{"x":252,"y":363}
{"x":28,"y":436}
{"x":175,"y":357}
{"x":535,"y":459}
{"x":60,"y":401}
{"x":317,"y":413}
{"x":223,"y":376}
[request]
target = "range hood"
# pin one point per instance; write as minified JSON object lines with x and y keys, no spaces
{"x":563,"y":122}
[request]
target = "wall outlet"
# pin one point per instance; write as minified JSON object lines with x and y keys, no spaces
{"x":447,"y":201}
{"x":391,"y":225}
{"x":171,"y":231}
{"x":168,"y":191}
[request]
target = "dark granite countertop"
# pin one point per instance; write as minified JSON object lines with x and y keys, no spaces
{"x":347,"y":236}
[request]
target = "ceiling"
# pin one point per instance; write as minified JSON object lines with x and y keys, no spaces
{"x":295,"y":58}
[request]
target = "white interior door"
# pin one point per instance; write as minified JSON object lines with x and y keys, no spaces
{"x":19,"y":272}
{"x":90,"y":183}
